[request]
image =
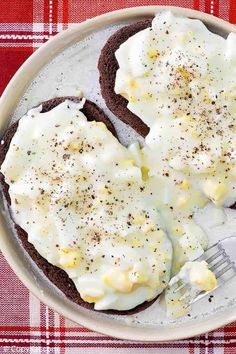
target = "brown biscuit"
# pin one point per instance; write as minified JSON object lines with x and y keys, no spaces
{"x":108,"y":67}
{"x":56,"y":275}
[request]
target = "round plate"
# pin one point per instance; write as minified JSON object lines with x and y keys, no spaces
{"x":64,"y":65}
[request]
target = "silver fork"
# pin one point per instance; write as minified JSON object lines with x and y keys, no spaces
{"x":221,"y":258}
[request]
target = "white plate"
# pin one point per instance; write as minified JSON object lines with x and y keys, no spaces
{"x":65,"y":65}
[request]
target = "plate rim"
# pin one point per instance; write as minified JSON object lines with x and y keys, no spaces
{"x":8,"y":102}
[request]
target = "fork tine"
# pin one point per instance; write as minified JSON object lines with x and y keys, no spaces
{"x":185,"y":306}
{"x":199,"y":296}
{"x":180,"y":288}
{"x":185,"y":295}
{"x":224,"y":270}
{"x":213,"y":267}
{"x":214,"y":256}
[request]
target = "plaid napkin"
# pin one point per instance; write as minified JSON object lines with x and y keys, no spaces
{"x":26,"y":325}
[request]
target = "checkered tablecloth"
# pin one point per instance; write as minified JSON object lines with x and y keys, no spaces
{"x":26,"y":325}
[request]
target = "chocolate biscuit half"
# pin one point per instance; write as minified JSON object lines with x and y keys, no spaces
{"x":108,"y":66}
{"x":56,"y":275}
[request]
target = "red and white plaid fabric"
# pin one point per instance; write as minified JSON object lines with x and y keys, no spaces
{"x":26,"y":325}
